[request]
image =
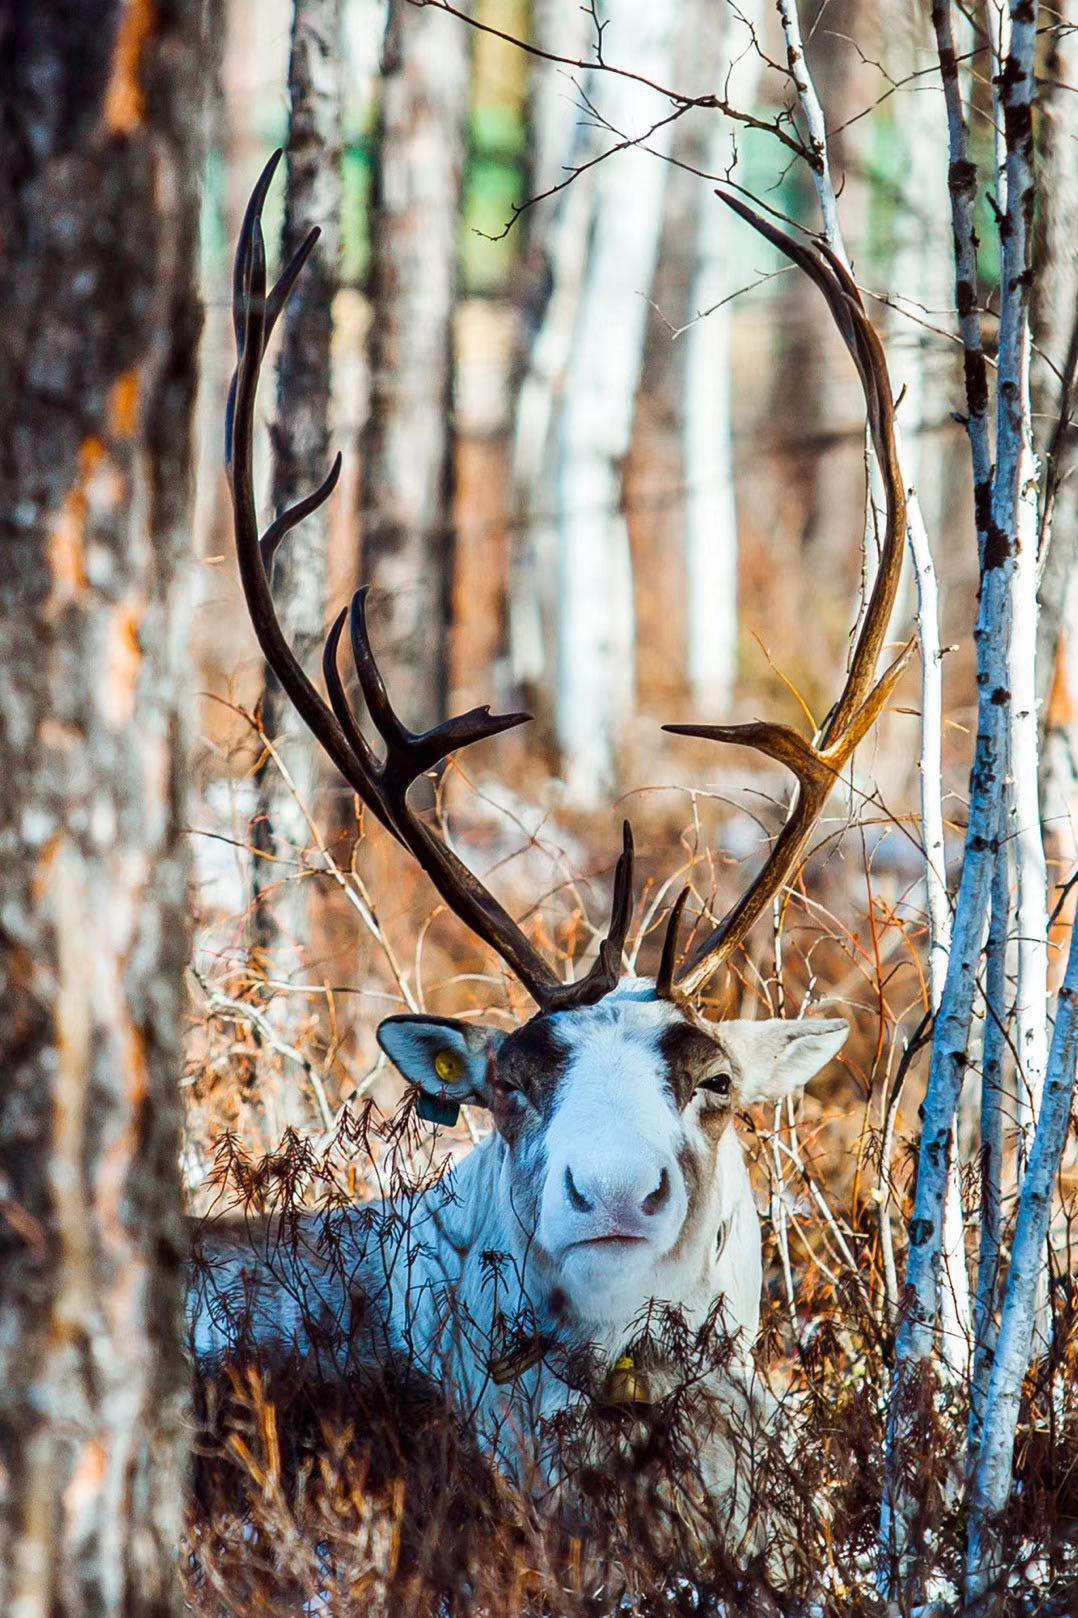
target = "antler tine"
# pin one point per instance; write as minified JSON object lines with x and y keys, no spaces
{"x":665,"y":984}
{"x":249,"y":318}
{"x":347,"y":719}
{"x":382,"y":786}
{"x":606,"y":968}
{"x":294,"y":515}
{"x":816,"y":765}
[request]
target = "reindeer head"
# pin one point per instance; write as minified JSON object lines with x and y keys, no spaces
{"x":615,"y":1100}
{"x":614,"y":1118}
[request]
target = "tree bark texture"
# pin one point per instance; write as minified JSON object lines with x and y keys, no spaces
{"x":99,"y":230}
{"x":407,"y":448}
{"x":1006,"y":530}
{"x":1055,"y":373}
{"x":711,"y":526}
{"x":300,"y":457}
{"x":557,"y":245}
{"x":992,"y":1479}
{"x":596,"y":639}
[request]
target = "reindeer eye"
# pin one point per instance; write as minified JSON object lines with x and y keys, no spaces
{"x":717,"y":1083}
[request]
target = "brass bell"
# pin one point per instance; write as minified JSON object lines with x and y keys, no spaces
{"x":625,"y":1385}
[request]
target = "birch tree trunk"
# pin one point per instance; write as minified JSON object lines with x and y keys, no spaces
{"x":920,"y":279}
{"x":557,"y":249}
{"x":1015,"y":438}
{"x":711,"y":535}
{"x":300,"y":453}
{"x":99,"y":221}
{"x":408,"y":442}
{"x":1003,"y":530}
{"x":595,"y":680}
{"x":1055,"y":375}
{"x":992,"y":1479}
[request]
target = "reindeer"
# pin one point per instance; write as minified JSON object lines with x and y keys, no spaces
{"x":613,"y":1180}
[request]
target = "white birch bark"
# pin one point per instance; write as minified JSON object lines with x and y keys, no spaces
{"x":919,"y":275}
{"x":300,"y":441}
{"x":815,"y":124}
{"x":962,"y":190}
{"x":1056,"y":327}
{"x":992,"y":1478}
{"x":1023,"y":809}
{"x":558,"y":236}
{"x":595,"y":643}
{"x":407,"y":450}
{"x":711,"y":535}
{"x":1024,"y":814}
{"x":1055,"y":313}
{"x":955,"y":1324}
{"x":997,"y":534}
{"x":992,"y":1142}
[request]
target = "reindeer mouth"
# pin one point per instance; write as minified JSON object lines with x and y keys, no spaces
{"x":613,"y":1240}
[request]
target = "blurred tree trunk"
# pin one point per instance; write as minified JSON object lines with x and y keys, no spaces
{"x":920,"y":276}
{"x":407,"y":445}
{"x":821,"y":418}
{"x":1055,"y":384}
{"x":711,"y":548}
{"x":216,"y":342}
{"x":595,"y":680}
{"x":921,"y":280}
{"x":685,"y":543}
{"x":300,"y":455}
{"x":556,"y":251}
{"x":99,"y":224}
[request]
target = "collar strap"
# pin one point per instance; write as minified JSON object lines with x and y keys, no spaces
{"x":625,"y":1383}
{"x":507,"y":1367}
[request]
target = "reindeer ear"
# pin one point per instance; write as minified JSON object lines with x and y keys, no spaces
{"x":777,"y":1057}
{"x":449,"y":1062}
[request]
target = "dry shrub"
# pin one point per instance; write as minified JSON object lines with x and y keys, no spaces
{"x":369,"y":1496}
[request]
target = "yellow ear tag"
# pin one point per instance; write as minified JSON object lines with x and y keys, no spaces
{"x":448,"y":1067}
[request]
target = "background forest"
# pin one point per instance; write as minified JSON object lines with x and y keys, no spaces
{"x":604,"y":458}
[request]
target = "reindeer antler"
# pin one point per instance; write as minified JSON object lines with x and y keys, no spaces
{"x":816,"y":764}
{"x":382,"y":785}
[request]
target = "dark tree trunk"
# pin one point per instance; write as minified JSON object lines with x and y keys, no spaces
{"x":300,"y":458}
{"x":408,"y":443}
{"x":99,"y":231}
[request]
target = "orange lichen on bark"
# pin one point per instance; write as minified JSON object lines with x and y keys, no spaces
{"x":1061,"y":712}
{"x":67,"y":544}
{"x":125,"y":99}
{"x":123,"y":661}
{"x":123,"y":405}
{"x":67,"y":552}
{"x":115,"y":1168}
{"x":83,"y":1491}
{"x":42,"y":879}
{"x":137,"y":1065}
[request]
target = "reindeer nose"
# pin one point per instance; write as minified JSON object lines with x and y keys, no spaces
{"x":577,"y":1199}
{"x":615,"y":1196}
{"x":656,"y":1200}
